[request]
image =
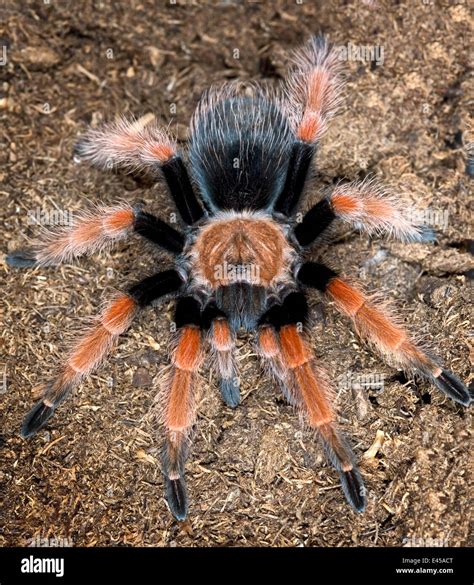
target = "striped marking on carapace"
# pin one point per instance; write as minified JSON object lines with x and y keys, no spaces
{"x":256,"y":243}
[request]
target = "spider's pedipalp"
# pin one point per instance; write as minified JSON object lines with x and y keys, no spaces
{"x":308,"y":388}
{"x":91,"y":348}
{"x":222,"y":342}
{"x":268,"y":348}
{"x":314,"y":89}
{"x":230,"y":387}
{"x":366,"y":205}
{"x":375,"y":323}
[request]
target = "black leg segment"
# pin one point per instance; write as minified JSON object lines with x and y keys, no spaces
{"x":315,"y":275}
{"x":36,"y":419}
{"x":300,"y":160}
{"x":21,"y":259}
{"x":210,"y":313}
{"x":188,"y":312}
{"x":315,"y":221}
{"x":181,"y":190}
{"x":156,"y":286}
{"x":157,"y":231}
{"x":92,"y":349}
{"x":176,"y":446}
{"x":293,"y":309}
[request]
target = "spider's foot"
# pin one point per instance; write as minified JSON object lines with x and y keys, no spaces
{"x":452,"y":386}
{"x":427,"y":235}
{"x":354,"y":489}
{"x":21,"y":258}
{"x":176,"y":497}
{"x":230,"y":392}
{"x":79,"y":146}
{"x":36,"y":419}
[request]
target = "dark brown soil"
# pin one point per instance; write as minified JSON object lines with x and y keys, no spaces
{"x":254,"y":478}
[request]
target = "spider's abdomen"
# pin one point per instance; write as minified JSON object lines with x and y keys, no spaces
{"x":240,"y":147}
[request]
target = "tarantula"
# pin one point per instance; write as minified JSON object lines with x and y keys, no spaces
{"x":239,"y":259}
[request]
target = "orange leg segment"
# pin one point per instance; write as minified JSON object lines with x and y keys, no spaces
{"x":307,"y":387}
{"x":374,"y":324}
{"x":93,"y":345}
{"x":90,"y":231}
{"x":88,"y":352}
{"x":315,"y":85}
{"x":180,"y":414}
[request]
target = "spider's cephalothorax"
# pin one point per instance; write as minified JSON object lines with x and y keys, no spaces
{"x":240,"y":258}
{"x":239,"y":262}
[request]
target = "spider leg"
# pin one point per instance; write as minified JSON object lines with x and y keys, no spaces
{"x":177,"y":404}
{"x":314,"y":88}
{"x":91,"y":348}
{"x":365,"y":205}
{"x":283,"y":345}
{"x":222,"y":341}
{"x":135,"y":146}
{"x":313,"y":92}
{"x":95,"y":230}
{"x":158,"y":232}
{"x":298,"y":167}
{"x":373,"y":323}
